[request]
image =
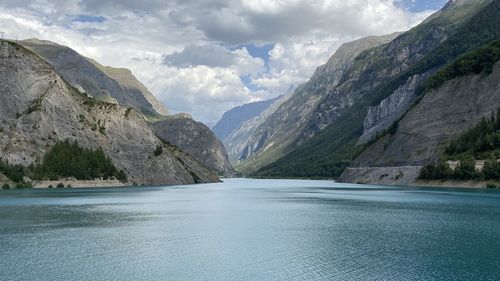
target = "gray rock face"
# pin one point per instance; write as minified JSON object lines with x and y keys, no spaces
{"x":237,"y":141}
{"x":383,"y":115}
{"x":129,"y":83}
{"x":196,"y":139}
{"x":403,"y":175}
{"x":232,"y":119}
{"x":104,"y":83}
{"x":38,"y":108}
{"x":374,"y":68}
{"x":441,"y":115}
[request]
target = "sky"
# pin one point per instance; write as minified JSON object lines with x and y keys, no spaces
{"x":204,"y":57}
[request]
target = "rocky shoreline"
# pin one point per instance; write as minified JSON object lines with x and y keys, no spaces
{"x":404,"y":176}
{"x":73,"y":183}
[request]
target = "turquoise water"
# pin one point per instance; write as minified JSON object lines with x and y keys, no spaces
{"x":250,"y":230}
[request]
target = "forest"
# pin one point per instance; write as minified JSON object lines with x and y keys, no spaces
{"x":68,"y":159}
{"x":64,"y":160}
{"x":481,"y":142}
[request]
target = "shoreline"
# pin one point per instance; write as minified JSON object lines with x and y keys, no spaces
{"x":456,"y":184}
{"x":78,"y":183}
{"x":73,"y":183}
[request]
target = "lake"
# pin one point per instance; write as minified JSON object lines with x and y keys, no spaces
{"x":246,"y":229}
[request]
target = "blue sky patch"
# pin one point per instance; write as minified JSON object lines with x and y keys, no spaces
{"x":247,"y":81}
{"x":422,"y":5}
{"x":257,"y":51}
{"x":89,"y":18}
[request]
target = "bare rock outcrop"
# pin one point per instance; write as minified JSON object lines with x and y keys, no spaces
{"x":196,"y":139}
{"x":39,"y":108}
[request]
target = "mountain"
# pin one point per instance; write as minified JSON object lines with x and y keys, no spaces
{"x":129,"y":83}
{"x":237,"y":141}
{"x":101,"y":82}
{"x":367,"y":95}
{"x":38,"y":108}
{"x":443,"y":113}
{"x":233,"y":118}
{"x":119,"y":85}
{"x":280,"y":132}
{"x":196,"y":139}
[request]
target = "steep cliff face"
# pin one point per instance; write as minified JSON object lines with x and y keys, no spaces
{"x":441,"y":115}
{"x":38,"y":108}
{"x":377,"y":79}
{"x":367,"y":78}
{"x":196,"y":139}
{"x":383,"y":115}
{"x":129,"y":83}
{"x":104,"y":83}
{"x":279,"y":133}
{"x":232,"y":119}
{"x":237,"y":141}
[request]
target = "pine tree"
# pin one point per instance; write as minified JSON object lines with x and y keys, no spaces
{"x":466,"y":169}
{"x":491,"y":169}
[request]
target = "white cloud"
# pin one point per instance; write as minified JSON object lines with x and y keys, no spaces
{"x":197,"y":40}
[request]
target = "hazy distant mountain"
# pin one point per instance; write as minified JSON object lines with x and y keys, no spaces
{"x":278,"y":132}
{"x":237,"y":140}
{"x":233,"y":118}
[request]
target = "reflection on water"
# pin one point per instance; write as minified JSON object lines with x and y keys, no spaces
{"x":250,"y":230}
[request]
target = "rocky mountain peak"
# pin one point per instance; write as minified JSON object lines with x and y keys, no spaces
{"x":101,"y":82}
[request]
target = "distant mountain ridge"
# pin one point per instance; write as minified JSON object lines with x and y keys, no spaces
{"x":233,"y":118}
{"x":237,"y":141}
{"x":102,"y":82}
{"x":280,"y":132}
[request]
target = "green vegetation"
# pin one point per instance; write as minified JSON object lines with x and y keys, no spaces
{"x":60,"y":185}
{"x":327,"y":153}
{"x":158,"y":150}
{"x":14,"y":172}
{"x":127,"y":112}
{"x":480,"y":142}
{"x":67,"y":159}
{"x":34,"y":106}
{"x":441,"y":170}
{"x":473,"y":62}
{"x":23,"y":184}
{"x":491,"y":185}
{"x":324,"y":156}
{"x":481,"y":29}
{"x":465,"y":170}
